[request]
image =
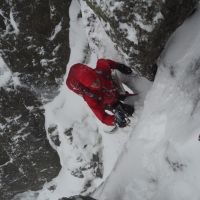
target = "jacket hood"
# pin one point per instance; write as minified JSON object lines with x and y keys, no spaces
{"x":83,"y":74}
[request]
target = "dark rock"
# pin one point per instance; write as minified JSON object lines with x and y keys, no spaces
{"x":78,"y":197}
{"x":28,"y":159}
{"x":54,"y":135}
{"x":97,"y":165}
{"x":4,"y":158}
{"x":32,"y":48}
{"x":38,"y":56}
{"x":78,"y":173}
{"x":87,"y":185}
{"x":69,"y":135}
{"x":2,"y":23}
{"x":52,"y":188}
{"x":151,"y":23}
{"x":68,"y":132}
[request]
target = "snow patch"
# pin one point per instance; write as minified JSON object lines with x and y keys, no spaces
{"x":130,"y":32}
{"x":139,"y":21}
{"x":5,"y":73}
{"x":14,"y":23}
{"x":158,"y":17}
{"x":57,"y":29}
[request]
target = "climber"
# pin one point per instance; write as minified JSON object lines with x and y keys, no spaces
{"x":100,"y":91}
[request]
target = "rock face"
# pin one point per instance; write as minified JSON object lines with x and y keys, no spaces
{"x":140,"y":28}
{"x":27,"y":160}
{"x":34,"y":46}
{"x":34,"y":42}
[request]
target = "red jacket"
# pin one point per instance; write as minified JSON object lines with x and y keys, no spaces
{"x":81,"y":76}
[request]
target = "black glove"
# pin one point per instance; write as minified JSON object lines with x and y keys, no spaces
{"x":120,"y":118}
{"x":124,"y":69}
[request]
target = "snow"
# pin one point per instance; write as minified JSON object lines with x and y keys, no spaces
{"x":100,"y":44}
{"x":158,"y":17}
{"x":113,"y":5}
{"x":139,"y":22}
{"x":44,"y":62}
{"x":5,"y":73}
{"x":6,"y":76}
{"x":57,"y":29}
{"x":14,"y":23}
{"x":130,"y":32}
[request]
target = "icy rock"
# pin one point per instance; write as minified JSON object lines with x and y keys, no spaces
{"x":140,"y":29}
{"x":54,"y":135}
{"x":25,"y":31}
{"x":27,"y":160}
{"x":68,"y":133}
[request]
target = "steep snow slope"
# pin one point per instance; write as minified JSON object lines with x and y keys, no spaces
{"x":161,"y":160}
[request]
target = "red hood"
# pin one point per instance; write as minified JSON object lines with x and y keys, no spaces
{"x":84,"y":74}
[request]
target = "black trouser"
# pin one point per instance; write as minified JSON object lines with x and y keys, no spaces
{"x":125,"y":108}
{"x":128,"y":109}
